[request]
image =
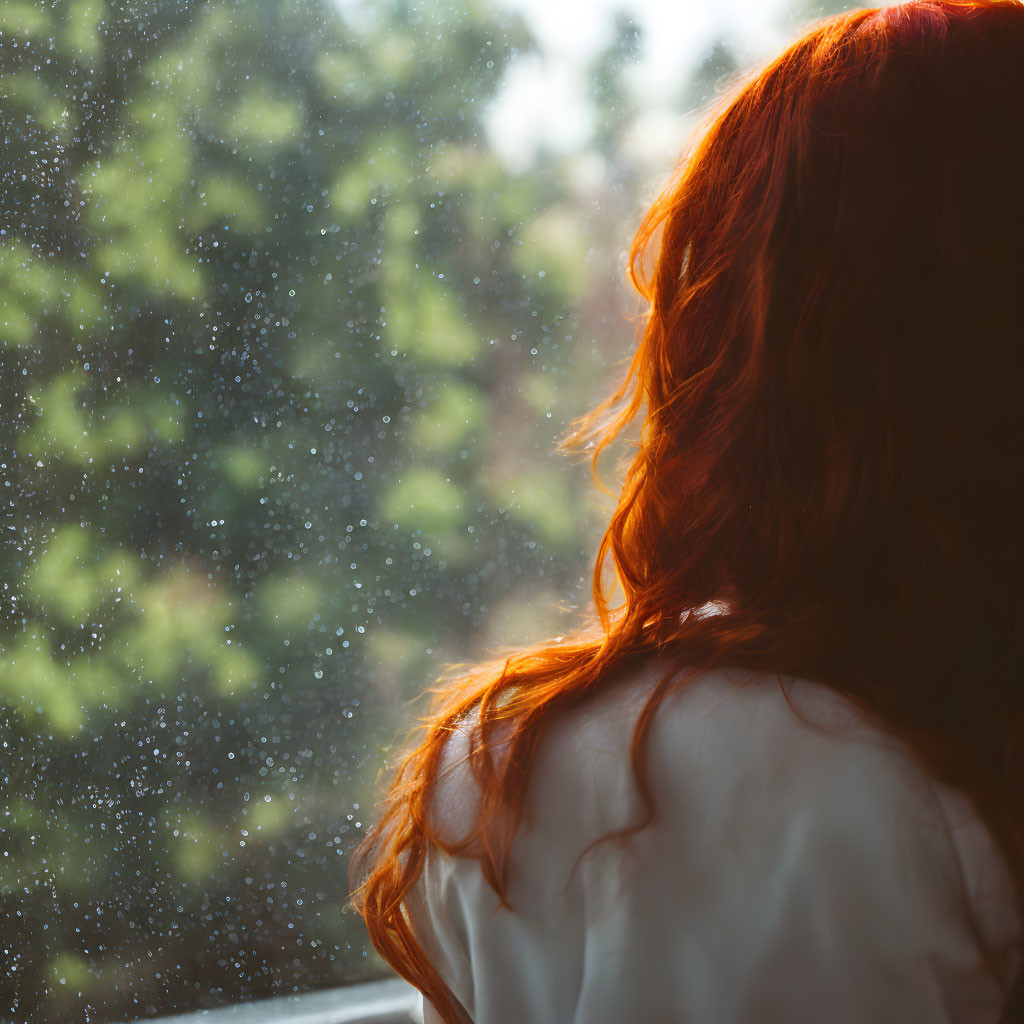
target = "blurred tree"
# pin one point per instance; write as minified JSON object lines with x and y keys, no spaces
{"x":805,"y":11}
{"x":710,"y":75}
{"x":284,"y":351}
{"x":614,"y":106}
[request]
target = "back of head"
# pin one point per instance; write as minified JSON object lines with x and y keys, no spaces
{"x":832,"y":439}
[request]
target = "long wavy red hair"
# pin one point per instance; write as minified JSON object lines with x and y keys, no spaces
{"x":829,"y":374}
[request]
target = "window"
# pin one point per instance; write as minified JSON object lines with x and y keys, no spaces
{"x":296,"y":297}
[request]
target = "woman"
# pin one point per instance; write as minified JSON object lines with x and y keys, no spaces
{"x":784,"y":779}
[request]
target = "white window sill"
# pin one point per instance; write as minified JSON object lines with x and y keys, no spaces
{"x":375,"y":1002}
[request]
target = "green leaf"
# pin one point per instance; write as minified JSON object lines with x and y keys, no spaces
{"x":424,"y":500}
{"x":458,"y":412}
{"x":541,"y":500}
{"x":20,"y":18}
{"x":82,"y":28}
{"x":261,"y":117}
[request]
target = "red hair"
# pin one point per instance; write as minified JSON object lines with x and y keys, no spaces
{"x":829,"y":375}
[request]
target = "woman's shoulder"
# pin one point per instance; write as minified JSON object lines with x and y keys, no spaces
{"x":759,"y":746}
{"x":725,"y":729}
{"x":723,"y":734}
{"x":739,"y":760}
{"x":788,"y":830}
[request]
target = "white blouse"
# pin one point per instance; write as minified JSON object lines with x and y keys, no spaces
{"x":794,"y":873}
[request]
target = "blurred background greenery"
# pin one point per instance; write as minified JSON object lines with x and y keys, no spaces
{"x":286,"y":342}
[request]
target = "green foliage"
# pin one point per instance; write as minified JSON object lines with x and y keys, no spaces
{"x":424,"y":500}
{"x":288,"y":603}
{"x":282,"y":342}
{"x":260,"y":118}
{"x":83,"y":27}
{"x":554,"y":249}
{"x":541,"y":500}
{"x":31,"y":285}
{"x":69,"y":584}
{"x":23,"y":18}
{"x":427,"y":324}
{"x":458,"y":413}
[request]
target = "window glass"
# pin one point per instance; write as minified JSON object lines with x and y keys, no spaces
{"x":295,"y":297}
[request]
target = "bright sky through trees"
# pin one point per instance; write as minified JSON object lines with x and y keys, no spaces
{"x":544,"y":99}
